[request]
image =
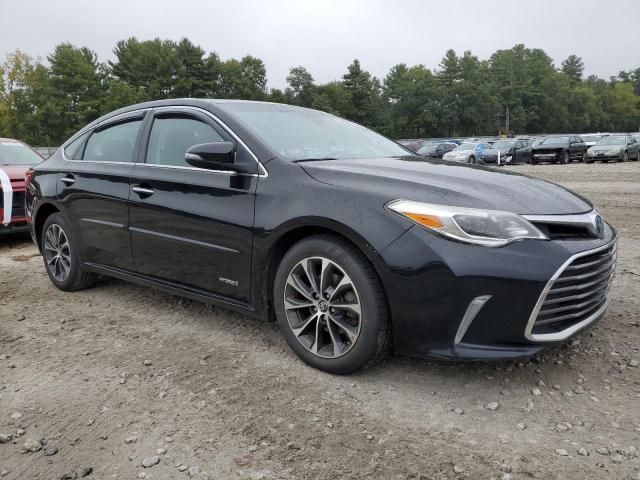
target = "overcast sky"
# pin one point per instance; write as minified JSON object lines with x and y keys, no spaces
{"x":326,"y":35}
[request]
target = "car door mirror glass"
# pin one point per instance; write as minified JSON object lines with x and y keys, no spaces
{"x":212,"y":156}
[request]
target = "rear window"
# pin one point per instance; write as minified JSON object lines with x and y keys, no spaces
{"x":72,"y":150}
{"x":114,"y":143}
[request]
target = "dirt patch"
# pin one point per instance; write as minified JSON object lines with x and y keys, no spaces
{"x":113,"y":376}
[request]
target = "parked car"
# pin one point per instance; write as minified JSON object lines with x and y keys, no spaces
{"x":591,"y":139}
{"x":413,"y":144}
{"x":467,"y":152}
{"x":559,"y":149}
{"x":619,"y":148}
{"x":510,"y":151}
{"x":436,"y":149}
{"x":16,"y":158}
{"x":353,"y":244}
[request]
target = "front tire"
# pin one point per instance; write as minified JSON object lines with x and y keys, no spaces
{"x":330,"y":305}
{"x":565,"y":158}
{"x":625,"y":157}
{"x":472,"y":159}
{"x":60,"y":254}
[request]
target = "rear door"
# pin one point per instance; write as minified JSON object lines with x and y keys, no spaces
{"x":93,"y":186}
{"x":192,"y":226}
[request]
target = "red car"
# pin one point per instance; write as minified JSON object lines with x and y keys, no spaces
{"x":15,"y":159}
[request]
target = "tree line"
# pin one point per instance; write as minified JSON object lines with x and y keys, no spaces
{"x":43,"y":103}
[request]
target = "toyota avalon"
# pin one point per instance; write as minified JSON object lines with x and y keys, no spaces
{"x":354,"y":245}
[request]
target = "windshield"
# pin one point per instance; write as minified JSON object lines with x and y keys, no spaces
{"x":298,"y":133}
{"x":465,"y":146}
{"x":555,"y":140}
{"x":503,"y":145}
{"x":15,"y":153}
{"x":429,"y":148}
{"x":612,"y":141}
{"x":591,"y":138}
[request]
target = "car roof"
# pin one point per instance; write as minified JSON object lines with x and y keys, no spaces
{"x":9,"y":140}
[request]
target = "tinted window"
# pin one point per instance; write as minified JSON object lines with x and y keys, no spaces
{"x":72,"y":150}
{"x":172,"y":137}
{"x":113,"y":144}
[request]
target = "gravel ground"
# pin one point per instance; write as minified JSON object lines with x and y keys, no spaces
{"x":125,"y":382}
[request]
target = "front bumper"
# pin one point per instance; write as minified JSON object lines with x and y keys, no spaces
{"x":16,"y":226}
{"x":545,"y":157}
{"x":604,"y":157}
{"x":432,"y":282}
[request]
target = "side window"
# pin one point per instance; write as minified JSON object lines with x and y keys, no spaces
{"x":171,"y":138}
{"x":73,"y":150}
{"x":114,"y":143}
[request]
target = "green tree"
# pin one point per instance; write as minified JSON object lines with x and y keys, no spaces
{"x":367,"y":105}
{"x":301,"y":86}
{"x":75,"y":90}
{"x":411,"y":97}
{"x":573,"y":67}
{"x":151,"y":66}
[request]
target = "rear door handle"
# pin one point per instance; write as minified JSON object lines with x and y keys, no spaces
{"x":68,"y":180}
{"x":142,"y":191}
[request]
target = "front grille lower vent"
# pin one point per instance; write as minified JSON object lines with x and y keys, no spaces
{"x":17,"y":206}
{"x":562,"y":231}
{"x":578,"y":293}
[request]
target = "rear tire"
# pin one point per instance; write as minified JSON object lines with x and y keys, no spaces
{"x":312,"y":314}
{"x":61,"y":258}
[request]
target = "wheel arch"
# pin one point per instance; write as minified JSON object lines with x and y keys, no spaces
{"x":45,"y":210}
{"x":293,"y":233}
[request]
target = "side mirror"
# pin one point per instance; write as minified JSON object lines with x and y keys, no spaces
{"x":212,"y":156}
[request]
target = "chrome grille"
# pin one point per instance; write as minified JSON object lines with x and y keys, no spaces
{"x":577,"y":295}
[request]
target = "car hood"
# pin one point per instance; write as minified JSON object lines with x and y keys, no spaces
{"x":448,"y":183}
{"x":494,"y":151}
{"x":606,"y":148}
{"x":15,"y":172}
{"x":547,"y":146}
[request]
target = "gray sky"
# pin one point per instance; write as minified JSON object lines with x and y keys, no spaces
{"x":326,"y":35}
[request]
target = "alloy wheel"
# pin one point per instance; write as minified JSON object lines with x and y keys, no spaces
{"x":322,"y":307}
{"x":57,"y":252}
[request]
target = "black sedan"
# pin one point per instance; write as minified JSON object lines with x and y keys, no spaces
{"x":504,"y":152}
{"x":436,"y":149}
{"x":354,"y":245}
{"x":559,"y":149}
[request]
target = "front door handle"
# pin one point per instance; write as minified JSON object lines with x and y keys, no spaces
{"x":142,"y":191}
{"x":68,"y":180}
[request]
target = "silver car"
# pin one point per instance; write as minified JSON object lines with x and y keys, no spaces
{"x":468,"y":152}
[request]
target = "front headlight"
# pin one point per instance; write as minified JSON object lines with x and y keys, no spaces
{"x":490,"y":228}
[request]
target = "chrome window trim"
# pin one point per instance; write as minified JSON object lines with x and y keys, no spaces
{"x":469,"y":315}
{"x":568,"y":332}
{"x":229,"y":173}
{"x":94,"y":127}
{"x":263,"y":172}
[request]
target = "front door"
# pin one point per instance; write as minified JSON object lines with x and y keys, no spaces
{"x":191,"y":226}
